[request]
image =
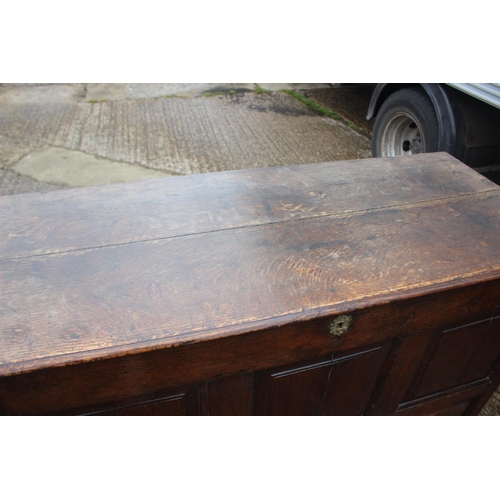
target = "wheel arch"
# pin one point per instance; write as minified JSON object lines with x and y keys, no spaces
{"x":440,"y":100}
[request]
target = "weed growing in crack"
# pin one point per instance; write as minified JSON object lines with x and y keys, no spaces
{"x":213,"y":94}
{"x":320,"y":110}
{"x":260,"y":90}
{"x":355,"y":127}
{"x":170,"y":96}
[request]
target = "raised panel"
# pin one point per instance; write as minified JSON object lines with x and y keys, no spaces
{"x":296,"y":391}
{"x":403,"y":362}
{"x":351,"y":383}
{"x":485,"y":355}
{"x":180,"y":402}
{"x":174,"y":406}
{"x":432,"y":405}
{"x":450,"y":359}
{"x":335,"y":386}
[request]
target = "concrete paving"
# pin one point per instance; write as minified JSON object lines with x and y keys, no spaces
{"x":12,"y":183}
{"x":75,"y":169}
{"x":120,"y":91}
{"x":71,"y":135}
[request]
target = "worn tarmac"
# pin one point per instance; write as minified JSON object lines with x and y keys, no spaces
{"x":56,"y":136}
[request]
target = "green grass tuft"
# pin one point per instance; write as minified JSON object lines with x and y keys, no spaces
{"x":260,"y":90}
{"x":320,"y":110}
{"x":213,"y":94}
{"x":355,"y":127}
{"x":311,"y":104}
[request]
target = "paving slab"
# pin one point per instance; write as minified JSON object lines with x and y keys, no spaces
{"x":186,"y":136}
{"x":12,"y":150}
{"x":45,"y":96}
{"x":310,"y":86}
{"x":96,"y":92}
{"x":13,"y":183}
{"x":75,"y":169}
{"x":275,"y":87}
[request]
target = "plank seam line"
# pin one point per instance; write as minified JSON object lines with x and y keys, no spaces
{"x":431,"y":202}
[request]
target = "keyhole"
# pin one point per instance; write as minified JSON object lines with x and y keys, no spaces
{"x":340,"y":325}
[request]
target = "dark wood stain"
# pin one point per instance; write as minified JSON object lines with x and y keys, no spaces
{"x":450,"y":359}
{"x":204,"y":288}
{"x":231,"y":396}
{"x":485,"y":354}
{"x":310,"y":381}
{"x":447,"y":399}
{"x":34,"y":224}
{"x":351,"y":382}
{"x":401,"y":372}
{"x":454,"y":411}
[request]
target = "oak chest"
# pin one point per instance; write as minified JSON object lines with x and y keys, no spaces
{"x":362,"y":287}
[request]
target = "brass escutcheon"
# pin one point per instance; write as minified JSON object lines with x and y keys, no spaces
{"x":340,"y":325}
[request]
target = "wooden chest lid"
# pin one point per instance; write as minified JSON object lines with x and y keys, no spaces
{"x":97,"y":272}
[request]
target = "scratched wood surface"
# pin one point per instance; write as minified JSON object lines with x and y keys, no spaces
{"x":45,"y":223}
{"x":96,"y":271}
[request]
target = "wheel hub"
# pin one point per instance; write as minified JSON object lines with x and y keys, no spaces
{"x":402,"y":136}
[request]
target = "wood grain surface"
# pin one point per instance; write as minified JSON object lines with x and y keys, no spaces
{"x":55,"y":222}
{"x":91,"y":273}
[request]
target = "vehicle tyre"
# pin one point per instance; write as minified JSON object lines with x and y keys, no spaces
{"x":406,"y":124}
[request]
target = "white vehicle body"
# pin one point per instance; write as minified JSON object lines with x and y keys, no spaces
{"x":460,"y":118}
